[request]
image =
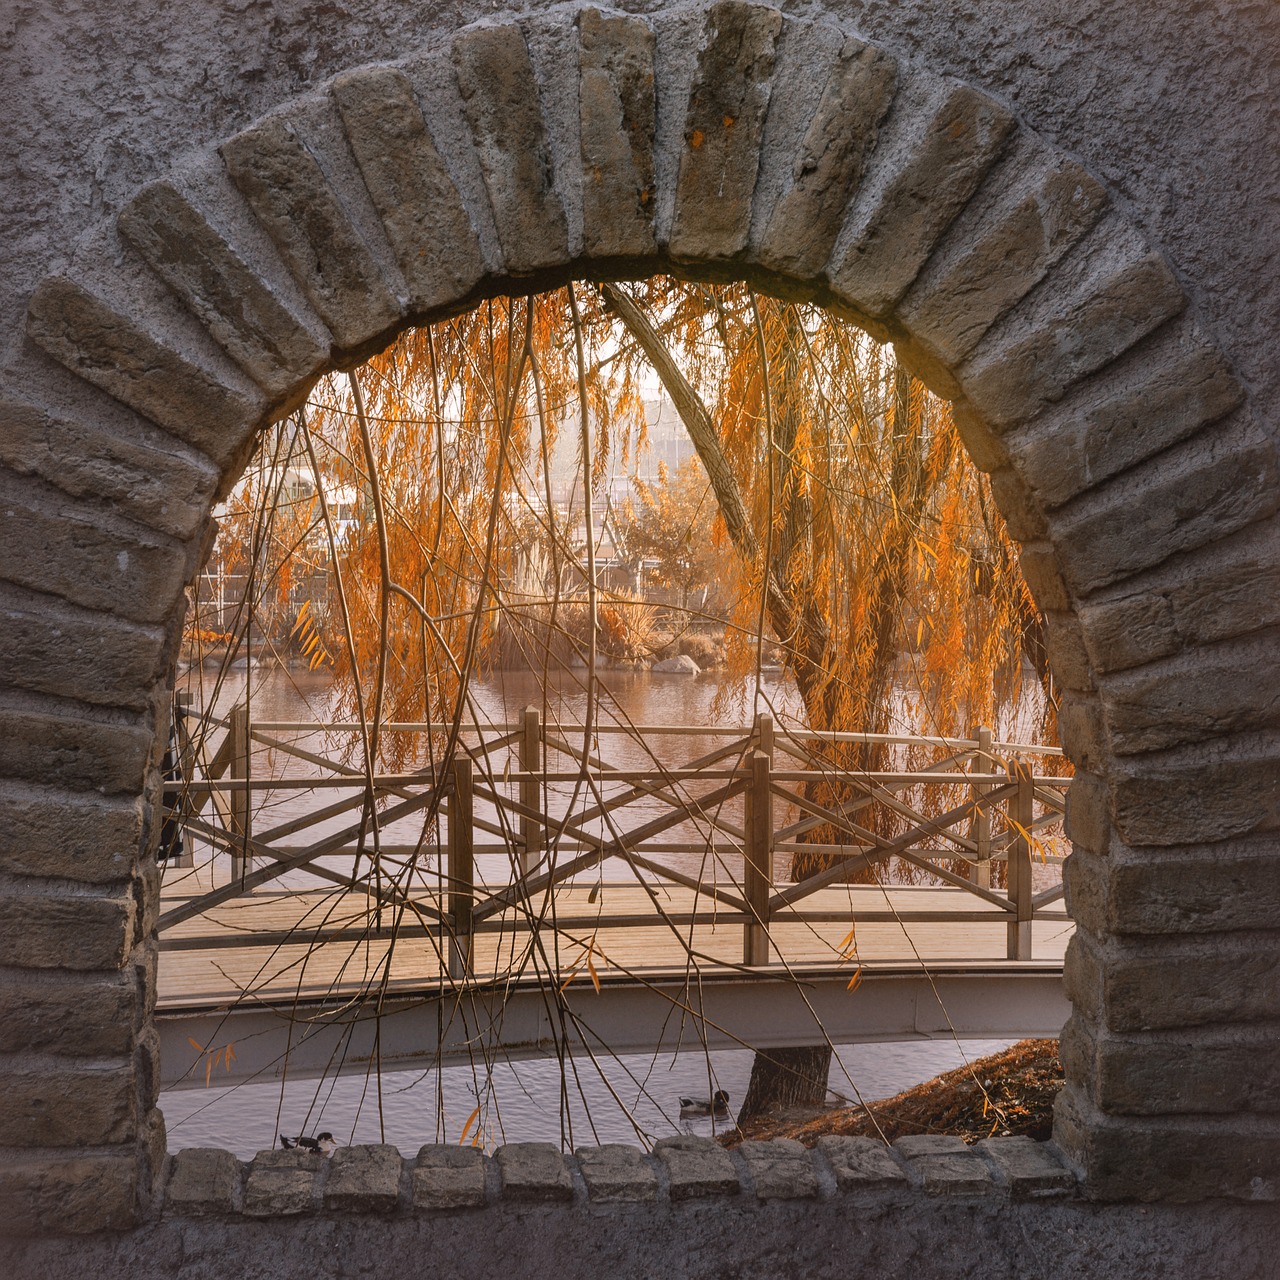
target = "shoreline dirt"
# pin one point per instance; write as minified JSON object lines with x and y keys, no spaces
{"x":1011,"y":1092}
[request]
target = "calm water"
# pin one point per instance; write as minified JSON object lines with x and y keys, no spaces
{"x":626,"y":1098}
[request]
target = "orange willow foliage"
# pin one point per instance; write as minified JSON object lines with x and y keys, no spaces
{"x":897,"y":604}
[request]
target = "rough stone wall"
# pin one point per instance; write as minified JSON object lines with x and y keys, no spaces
{"x":1064,"y":219}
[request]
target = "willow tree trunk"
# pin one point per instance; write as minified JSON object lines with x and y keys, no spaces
{"x":789,"y":1077}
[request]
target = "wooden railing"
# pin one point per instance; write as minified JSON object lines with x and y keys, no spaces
{"x":977,"y":807}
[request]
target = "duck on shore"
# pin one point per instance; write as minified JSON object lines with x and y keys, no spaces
{"x":324,"y":1143}
{"x":716,"y":1105}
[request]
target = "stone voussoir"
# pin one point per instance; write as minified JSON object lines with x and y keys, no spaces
{"x":107,"y":349}
{"x":616,"y":107}
{"x":241,"y":311}
{"x":501,"y":100}
{"x":291,"y":195}
{"x":422,"y":211}
{"x":803,"y":226}
{"x":897,"y":221}
{"x":724,"y":122}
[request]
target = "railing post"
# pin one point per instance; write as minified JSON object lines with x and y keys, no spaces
{"x":185,"y":770}
{"x":980,"y":871}
{"x":462,"y":869}
{"x":530,"y":792}
{"x":1021,"y":815}
{"x":757,"y":863}
{"x":239,"y":808}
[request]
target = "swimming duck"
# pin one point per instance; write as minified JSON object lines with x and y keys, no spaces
{"x":324,"y":1143}
{"x":716,"y":1105}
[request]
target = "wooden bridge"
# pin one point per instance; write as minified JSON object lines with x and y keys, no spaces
{"x":488,"y":901}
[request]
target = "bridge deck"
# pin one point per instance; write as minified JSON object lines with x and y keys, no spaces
{"x":264,"y":945}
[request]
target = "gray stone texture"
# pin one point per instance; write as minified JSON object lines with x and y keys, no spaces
{"x":202,"y":1180}
{"x":533,"y":1171}
{"x":781,"y":1169}
{"x":500,"y":97}
{"x":1026,"y":1167}
{"x":696,"y":1167}
{"x":861,"y":1164}
{"x":944,"y":1166}
{"x":616,"y":106}
{"x":363,"y":1179}
{"x":282,"y":1183}
{"x":722,"y":128}
{"x":421,"y":209}
{"x":615,"y":1172}
{"x":449,"y":1177}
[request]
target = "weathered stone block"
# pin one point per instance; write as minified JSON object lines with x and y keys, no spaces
{"x":1224,"y":590}
{"x":959,"y":138}
{"x":1176,"y":1158}
{"x":282,"y":1183}
{"x":58,"y":648}
{"x":803,"y":226}
{"x":241,"y":311}
{"x":50,"y":1102}
{"x":944,"y":1165}
{"x":500,"y":98}
{"x":616,"y":1172}
{"x":1028,"y":1168}
{"x":1088,"y":816}
{"x":1232,"y":793}
{"x":975,"y":280}
{"x":1068,"y":655}
{"x":68,"y":1193}
{"x":1167,"y":389}
{"x":167,"y":489}
{"x":62,"y":931}
{"x":1194,"y":494}
{"x":723,"y":125}
{"x":1082,"y":730}
{"x":1022,"y":514}
{"x":861,"y":1164}
{"x":449,"y":1177}
{"x":696,"y":1167}
{"x":533,"y":1171}
{"x":616,"y":122}
{"x":1062,"y":333}
{"x":781,"y":1169}
{"x":203,"y":1180}
{"x":1194,"y":696}
{"x":302,"y":213}
{"x":201,"y":407}
{"x":426,"y":222}
{"x":364,"y":1179}
{"x":45,"y":831}
{"x":1042,"y":574}
{"x":82,"y":1014}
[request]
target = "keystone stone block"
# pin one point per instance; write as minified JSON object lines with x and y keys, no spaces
{"x":697,"y":1167}
{"x":241,"y":312}
{"x":424,"y":216}
{"x":282,"y":1183}
{"x":449,"y":1177}
{"x":961,"y":139}
{"x":168,"y":489}
{"x":861,"y":1164}
{"x":617,"y":1172}
{"x":781,"y":1169}
{"x":616,"y":118}
{"x":723,"y":126}
{"x":107,"y":349}
{"x":500,"y":98}
{"x":1027,"y":1167}
{"x":203,"y":1180}
{"x":364,"y":1179}
{"x":804,"y":224}
{"x":944,"y":1165}
{"x":533,"y":1171}
{"x":292,"y":198}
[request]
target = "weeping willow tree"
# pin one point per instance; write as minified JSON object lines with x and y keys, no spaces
{"x":860,"y":546}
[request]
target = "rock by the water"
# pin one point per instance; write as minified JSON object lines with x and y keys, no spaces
{"x":682,"y":665}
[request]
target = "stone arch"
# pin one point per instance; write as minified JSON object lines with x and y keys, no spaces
{"x":732,"y":141}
